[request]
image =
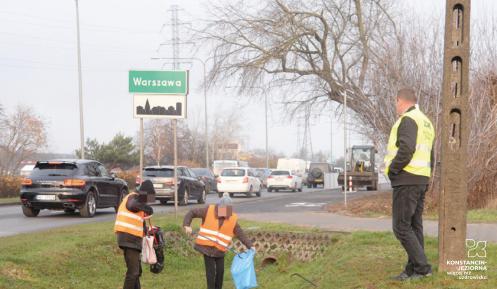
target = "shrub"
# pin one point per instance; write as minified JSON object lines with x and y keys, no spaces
{"x":10,"y":186}
{"x":129,"y":177}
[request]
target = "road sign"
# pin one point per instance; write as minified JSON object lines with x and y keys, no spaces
{"x":159,"y":106}
{"x":161,"y":82}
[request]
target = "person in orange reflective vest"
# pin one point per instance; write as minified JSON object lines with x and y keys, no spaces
{"x":130,"y":229}
{"x":219,"y":226}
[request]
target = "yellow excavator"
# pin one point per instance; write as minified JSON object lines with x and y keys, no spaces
{"x":361,"y":168}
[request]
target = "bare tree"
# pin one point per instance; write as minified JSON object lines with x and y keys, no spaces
{"x":226,"y":128}
{"x":158,"y":140}
{"x":22,"y":134}
{"x":482,"y":165}
{"x":311,"y":51}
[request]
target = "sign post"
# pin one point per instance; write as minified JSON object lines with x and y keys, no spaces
{"x":141,"y":149}
{"x":159,"y":94}
{"x":175,"y":122}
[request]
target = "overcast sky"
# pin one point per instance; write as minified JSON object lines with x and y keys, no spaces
{"x":38,"y":67}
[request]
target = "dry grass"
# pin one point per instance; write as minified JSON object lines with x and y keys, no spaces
{"x":379,"y":205}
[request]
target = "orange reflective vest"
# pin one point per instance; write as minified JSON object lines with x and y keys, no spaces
{"x":219,"y":237}
{"x":127,"y":221}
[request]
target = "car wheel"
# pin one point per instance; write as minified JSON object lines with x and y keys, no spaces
{"x":258,"y":193}
{"x":249,"y":193}
{"x":300,"y":189}
{"x":203,"y":197}
{"x":269,"y":190}
{"x":163,"y":202}
{"x":375,"y":186}
{"x":90,"y":207}
{"x":184,"y":201}
{"x":220,"y":194}
{"x":232,"y":195}
{"x":30,"y":212}
{"x":120,"y":198}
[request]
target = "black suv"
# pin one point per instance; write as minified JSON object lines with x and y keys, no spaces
{"x":71,"y":185}
{"x":316,"y":174}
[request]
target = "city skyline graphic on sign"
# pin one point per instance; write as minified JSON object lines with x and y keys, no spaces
{"x":159,"y":110}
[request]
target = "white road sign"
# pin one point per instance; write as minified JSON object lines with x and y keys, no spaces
{"x":159,"y":106}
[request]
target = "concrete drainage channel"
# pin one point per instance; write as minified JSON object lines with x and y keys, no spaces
{"x":303,"y":247}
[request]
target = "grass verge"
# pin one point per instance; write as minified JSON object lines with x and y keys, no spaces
{"x":86,"y":256}
{"x":9,"y":200}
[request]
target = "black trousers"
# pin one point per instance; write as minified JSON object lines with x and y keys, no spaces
{"x":214,"y":272}
{"x":133,"y":262}
{"x":407,"y":219}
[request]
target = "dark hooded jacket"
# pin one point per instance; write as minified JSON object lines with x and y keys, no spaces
{"x":136,"y":203}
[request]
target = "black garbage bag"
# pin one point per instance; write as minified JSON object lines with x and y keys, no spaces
{"x":159,"y":245}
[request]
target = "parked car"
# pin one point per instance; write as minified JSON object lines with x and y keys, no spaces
{"x":71,"y":185}
{"x":262,"y":174}
{"x":238,"y":180}
{"x":316,"y":173}
{"x":189,"y":186}
{"x":207,"y":176}
{"x":284,"y":180}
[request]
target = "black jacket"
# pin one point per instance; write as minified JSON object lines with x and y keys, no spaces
{"x":406,"y":142}
{"x":125,"y":240}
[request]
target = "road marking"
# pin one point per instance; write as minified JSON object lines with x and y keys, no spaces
{"x":292,"y":205}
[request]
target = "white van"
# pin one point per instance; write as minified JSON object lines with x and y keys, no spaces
{"x":297,"y":166}
{"x":219,"y":165}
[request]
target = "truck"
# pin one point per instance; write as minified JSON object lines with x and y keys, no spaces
{"x":362,"y":168}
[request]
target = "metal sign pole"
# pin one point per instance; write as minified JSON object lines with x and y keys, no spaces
{"x":141,"y":149}
{"x":345,"y":148}
{"x":175,"y":122}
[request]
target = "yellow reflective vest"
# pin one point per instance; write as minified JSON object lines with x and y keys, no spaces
{"x":420,"y":163}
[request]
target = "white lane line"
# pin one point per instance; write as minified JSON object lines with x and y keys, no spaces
{"x":307,"y":205}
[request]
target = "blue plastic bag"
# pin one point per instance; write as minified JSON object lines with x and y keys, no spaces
{"x":243,"y":271}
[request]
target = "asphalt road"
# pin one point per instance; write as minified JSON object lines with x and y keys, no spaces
{"x":13,"y":222}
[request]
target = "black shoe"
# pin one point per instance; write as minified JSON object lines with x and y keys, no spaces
{"x":417,"y":276}
{"x":401,"y":277}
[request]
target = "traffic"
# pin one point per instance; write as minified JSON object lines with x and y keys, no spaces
{"x":83,"y":186}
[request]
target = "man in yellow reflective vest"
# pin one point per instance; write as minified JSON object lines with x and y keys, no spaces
{"x":130,"y":229}
{"x":219,"y":226}
{"x":408,"y":165}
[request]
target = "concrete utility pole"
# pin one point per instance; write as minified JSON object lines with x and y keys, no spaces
{"x":80,"y":81}
{"x":454,"y":135}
